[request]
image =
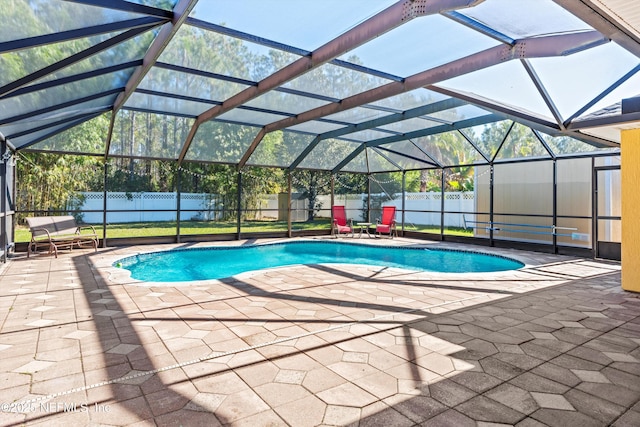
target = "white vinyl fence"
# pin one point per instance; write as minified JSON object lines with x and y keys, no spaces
{"x":148,"y":207}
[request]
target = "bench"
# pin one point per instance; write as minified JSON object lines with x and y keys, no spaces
{"x":57,"y":232}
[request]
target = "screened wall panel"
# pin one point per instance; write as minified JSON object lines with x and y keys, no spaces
{"x":350,"y":191}
{"x":284,"y":21}
{"x":526,"y":18}
{"x":280,"y":148}
{"x":410,"y":125}
{"x":523,"y":201}
{"x":315,"y":127}
{"x":448,"y":149}
{"x":357,"y":115}
{"x":221,"y":142}
{"x":264,"y":203}
{"x":256,"y":118}
{"x":598,"y":69}
{"x":609,"y":196}
{"x":403,"y":162}
{"x":160,"y":4}
{"x":608,"y":161}
{"x":506,"y":84}
{"x":127,"y":51}
{"x":366,"y":135}
{"x":57,"y":95}
{"x":61,"y":114}
{"x":521,"y":142}
{"x":336,"y":82}
{"x":328,"y":154}
{"x":229,"y":56}
{"x":21,"y":63}
{"x":286,"y":102}
{"x":358,"y":164}
{"x":453,"y":115}
{"x":137,"y":134}
{"x":406,"y":50}
{"x":411,"y":149}
{"x":524,"y":188}
{"x":460,"y":204}
{"x":165,"y":105}
{"x":52,"y":16}
{"x":564,"y":145}
{"x":408,"y":100}
{"x":488,"y":138}
{"x":141,"y":199}
{"x":59,"y":189}
{"x":86,"y":138}
{"x":29,"y":138}
{"x":422,"y":201}
{"x":575,"y":232}
{"x":379,"y":162}
{"x":161,"y":79}
{"x":608,"y":200}
{"x":574,"y":188}
{"x":523,"y":228}
{"x":610,"y":102}
{"x":311,"y":201}
{"x":209,"y":200}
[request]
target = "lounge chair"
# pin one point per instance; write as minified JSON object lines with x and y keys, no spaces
{"x":387,"y":225}
{"x":340,"y":223}
{"x":57,"y":232}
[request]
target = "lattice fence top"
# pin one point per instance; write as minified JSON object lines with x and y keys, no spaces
{"x":121,"y":195}
{"x":348,"y":196}
{"x":194,"y":196}
{"x":423,"y":196}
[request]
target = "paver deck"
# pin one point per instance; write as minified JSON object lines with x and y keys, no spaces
{"x":556,"y":343}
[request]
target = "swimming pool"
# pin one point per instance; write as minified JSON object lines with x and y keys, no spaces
{"x":218,"y":262}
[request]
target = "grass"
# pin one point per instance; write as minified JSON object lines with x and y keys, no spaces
{"x":451,"y":231}
{"x":168,"y":228}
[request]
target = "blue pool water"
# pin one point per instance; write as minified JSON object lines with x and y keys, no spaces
{"x":220,"y":262}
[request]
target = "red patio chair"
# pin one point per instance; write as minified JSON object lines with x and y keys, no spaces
{"x":340,"y":224}
{"x":387,"y":225}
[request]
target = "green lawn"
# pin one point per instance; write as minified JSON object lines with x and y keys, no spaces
{"x":153,"y":229}
{"x":168,"y":228}
{"x":451,"y":231}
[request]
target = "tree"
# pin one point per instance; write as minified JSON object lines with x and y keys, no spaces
{"x":312,"y":183}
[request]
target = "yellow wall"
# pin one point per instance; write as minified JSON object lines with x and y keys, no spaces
{"x":630,"y":172}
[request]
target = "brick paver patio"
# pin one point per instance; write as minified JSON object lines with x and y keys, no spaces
{"x":556,"y":343}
